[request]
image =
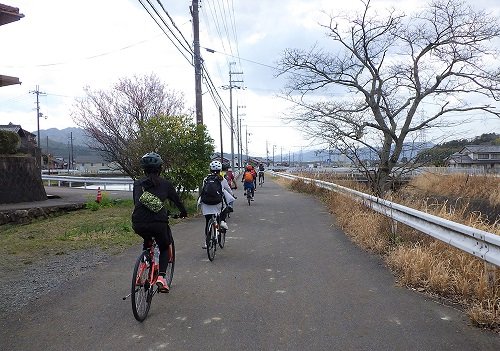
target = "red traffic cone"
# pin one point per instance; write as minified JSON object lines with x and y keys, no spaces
{"x":99,"y":195}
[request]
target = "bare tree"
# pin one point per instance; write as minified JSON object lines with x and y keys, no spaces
{"x":401,"y":74}
{"x":113,"y":119}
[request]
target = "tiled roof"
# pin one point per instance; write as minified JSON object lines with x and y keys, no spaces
{"x":9,"y":14}
{"x":481,"y":148}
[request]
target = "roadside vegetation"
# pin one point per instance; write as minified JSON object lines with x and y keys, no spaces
{"x":418,"y":261}
{"x":106,"y":226}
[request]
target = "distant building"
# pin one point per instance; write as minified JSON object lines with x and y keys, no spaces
{"x":484,"y":157}
{"x":28,"y":140}
{"x":95,"y":165}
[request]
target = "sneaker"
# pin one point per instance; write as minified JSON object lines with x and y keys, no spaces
{"x":204,"y":245}
{"x":251,"y":199}
{"x":223,"y":225}
{"x":162,"y":284}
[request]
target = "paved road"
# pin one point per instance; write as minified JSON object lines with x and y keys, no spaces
{"x":287,"y":280}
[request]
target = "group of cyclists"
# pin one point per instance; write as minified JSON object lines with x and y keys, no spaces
{"x":151,"y":220}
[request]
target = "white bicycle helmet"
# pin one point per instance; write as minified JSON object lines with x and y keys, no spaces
{"x":215,"y":166}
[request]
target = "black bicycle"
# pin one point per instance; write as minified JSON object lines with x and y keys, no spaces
{"x":214,"y":235}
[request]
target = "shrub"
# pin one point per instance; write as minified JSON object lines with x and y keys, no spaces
{"x":9,"y":142}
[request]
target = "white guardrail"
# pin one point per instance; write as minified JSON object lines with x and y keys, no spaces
{"x":89,"y":180}
{"x":477,"y":242}
{"x":94,"y":180}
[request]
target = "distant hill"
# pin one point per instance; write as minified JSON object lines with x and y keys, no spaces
{"x":410,"y":151}
{"x":64,"y":135}
{"x":59,"y":142}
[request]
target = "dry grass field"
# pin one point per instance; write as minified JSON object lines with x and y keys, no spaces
{"x":419,"y":261}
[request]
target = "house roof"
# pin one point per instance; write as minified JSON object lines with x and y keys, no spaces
{"x":7,"y":80}
{"x":481,"y":148}
{"x":16,"y":129}
{"x":459,"y":158}
{"x":9,"y":14}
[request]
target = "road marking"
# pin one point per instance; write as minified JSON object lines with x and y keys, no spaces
{"x":280,"y":291}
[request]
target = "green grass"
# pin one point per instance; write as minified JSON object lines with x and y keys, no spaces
{"x":106,"y":226}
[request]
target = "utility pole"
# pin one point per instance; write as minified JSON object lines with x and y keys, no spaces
{"x":197,"y":61}
{"x":37,"y":92}
{"x":231,"y":86}
{"x":220,"y":126}
{"x":267,"y":154}
{"x":246,"y":140}
{"x":72,"y":151}
{"x":48,"y":157}
{"x":241,"y":146}
{"x":281,"y":156}
{"x":274,"y":146}
{"x":238,"y":133}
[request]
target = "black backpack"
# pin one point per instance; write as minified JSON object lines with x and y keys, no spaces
{"x":211,"y":193}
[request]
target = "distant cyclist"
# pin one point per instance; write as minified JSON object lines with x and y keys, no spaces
{"x":150,"y":218}
{"x":248,"y":180}
{"x":261,"y":173}
{"x":216,"y":196}
{"x":254,"y":173}
{"x":230,"y":179}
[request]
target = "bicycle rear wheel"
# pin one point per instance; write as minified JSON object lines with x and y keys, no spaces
{"x":169,"y":274}
{"x":142,"y":289}
{"x":211,"y":242}
{"x":249,"y":198}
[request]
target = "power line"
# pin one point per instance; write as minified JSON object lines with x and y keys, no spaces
{"x":189,"y":59}
{"x":175,"y":26}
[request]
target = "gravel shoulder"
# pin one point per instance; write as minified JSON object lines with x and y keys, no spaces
{"x":24,"y":284}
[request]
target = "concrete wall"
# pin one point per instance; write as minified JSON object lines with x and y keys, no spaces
{"x":20,"y":179}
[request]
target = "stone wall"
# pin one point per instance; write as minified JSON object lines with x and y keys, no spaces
{"x":28,"y":215}
{"x":20,"y":179}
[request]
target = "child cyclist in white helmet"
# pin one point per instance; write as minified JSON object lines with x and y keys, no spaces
{"x":215,"y":193}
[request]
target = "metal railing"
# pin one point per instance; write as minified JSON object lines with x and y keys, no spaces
{"x":482,"y":244}
{"x":59,"y":179}
{"x":88,"y":180}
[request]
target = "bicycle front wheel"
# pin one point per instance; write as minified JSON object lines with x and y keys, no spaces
{"x":222,"y":238}
{"x":211,"y":242}
{"x":142,"y":289}
{"x":169,"y":274}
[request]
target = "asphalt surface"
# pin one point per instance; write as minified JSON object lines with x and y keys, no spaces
{"x":287,"y":279}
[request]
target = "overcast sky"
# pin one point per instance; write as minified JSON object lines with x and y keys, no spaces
{"x":63,"y":46}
